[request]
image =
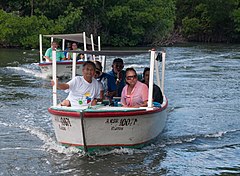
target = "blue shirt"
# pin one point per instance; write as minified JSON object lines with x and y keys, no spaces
{"x":108,"y":82}
{"x":122,"y":81}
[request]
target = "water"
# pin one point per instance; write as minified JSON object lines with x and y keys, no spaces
{"x":201,"y":137}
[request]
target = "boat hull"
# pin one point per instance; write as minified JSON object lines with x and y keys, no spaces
{"x":64,"y":68}
{"x":108,"y":127}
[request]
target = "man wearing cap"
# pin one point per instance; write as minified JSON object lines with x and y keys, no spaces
{"x":118,"y":74}
{"x":108,"y":82}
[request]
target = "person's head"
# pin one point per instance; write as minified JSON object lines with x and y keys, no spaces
{"x":74,"y":46}
{"x":146,"y":72}
{"x":88,"y":69}
{"x":54,"y":45}
{"x":68,"y":45}
{"x":117,"y":65}
{"x":81,"y":56}
{"x":98,"y":69}
{"x":89,"y":47}
{"x":131,"y":76}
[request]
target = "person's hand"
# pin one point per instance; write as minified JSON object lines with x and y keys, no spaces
{"x":119,"y":77}
{"x":53,"y":83}
{"x":109,"y":94}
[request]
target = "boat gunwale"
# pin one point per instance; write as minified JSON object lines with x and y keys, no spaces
{"x":60,"y":63}
{"x":103,"y":114}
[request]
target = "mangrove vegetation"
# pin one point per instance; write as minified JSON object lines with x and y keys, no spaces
{"x":121,"y":22}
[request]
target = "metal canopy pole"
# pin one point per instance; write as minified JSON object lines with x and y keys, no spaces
{"x":150,"y":86}
{"x":74,"y":64}
{"x":63,"y":44}
{"x":163,"y":70}
{"x":40,"y":48}
{"x":84,"y":45}
{"x":93,"y":47}
{"x":157,"y":73}
{"x":54,"y":76}
{"x":99,"y":49}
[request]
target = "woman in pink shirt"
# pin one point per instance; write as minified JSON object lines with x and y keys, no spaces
{"x":135,"y":93}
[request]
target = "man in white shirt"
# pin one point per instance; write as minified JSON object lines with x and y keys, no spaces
{"x":83,"y":90}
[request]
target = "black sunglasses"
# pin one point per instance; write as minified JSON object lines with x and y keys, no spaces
{"x":131,"y":77}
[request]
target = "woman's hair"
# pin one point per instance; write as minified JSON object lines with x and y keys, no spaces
{"x":145,"y":70}
{"x":131,"y":69}
{"x":98,"y":65}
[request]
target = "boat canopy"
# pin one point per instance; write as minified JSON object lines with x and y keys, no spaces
{"x":71,"y":37}
{"x":112,"y":52}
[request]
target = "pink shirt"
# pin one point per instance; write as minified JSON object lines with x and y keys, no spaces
{"x":138,"y":95}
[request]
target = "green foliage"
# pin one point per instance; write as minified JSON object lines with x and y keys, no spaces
{"x":119,"y":23}
{"x":208,"y":20}
{"x":139,"y":22}
{"x":236,"y":18}
{"x":191,"y":26}
{"x":24,"y":31}
{"x":71,"y":19}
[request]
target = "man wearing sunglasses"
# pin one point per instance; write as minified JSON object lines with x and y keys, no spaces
{"x":108,"y":82}
{"x":118,"y":74}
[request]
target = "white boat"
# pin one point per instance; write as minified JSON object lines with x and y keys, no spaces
{"x":64,"y":68}
{"x":103,"y":127}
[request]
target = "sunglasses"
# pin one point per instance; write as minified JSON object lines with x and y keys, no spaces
{"x":131,"y":77}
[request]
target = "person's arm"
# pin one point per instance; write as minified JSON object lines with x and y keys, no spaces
{"x":94,"y":102}
{"x":144,"y":96}
{"x":47,"y":55}
{"x":123,"y":100}
{"x":62,"y":86}
{"x":69,"y":56}
{"x":111,"y":86}
{"x":63,"y":56}
{"x":111,"y":94}
{"x":144,"y":104}
{"x":47,"y":59}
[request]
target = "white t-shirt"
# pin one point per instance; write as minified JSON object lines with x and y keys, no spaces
{"x":81,"y":92}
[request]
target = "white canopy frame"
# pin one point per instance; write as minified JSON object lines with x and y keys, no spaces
{"x":79,"y":37}
{"x":153,"y":64}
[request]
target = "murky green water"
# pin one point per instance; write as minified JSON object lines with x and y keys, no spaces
{"x":201,"y":136}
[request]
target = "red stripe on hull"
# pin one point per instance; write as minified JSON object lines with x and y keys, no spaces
{"x":63,"y":113}
{"x":105,"y":113}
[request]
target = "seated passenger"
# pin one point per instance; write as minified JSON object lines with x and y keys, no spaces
{"x":68,"y":48}
{"x":135,"y":93}
{"x":157,"y":93}
{"x":118,"y":74}
{"x":83,"y":90}
{"x":109,"y":86}
{"x":75,"y":48}
{"x":54,"y":47}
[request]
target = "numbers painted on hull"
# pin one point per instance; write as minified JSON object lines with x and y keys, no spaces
{"x":119,"y":124}
{"x":63,"y":122}
{"x":127,"y":122}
